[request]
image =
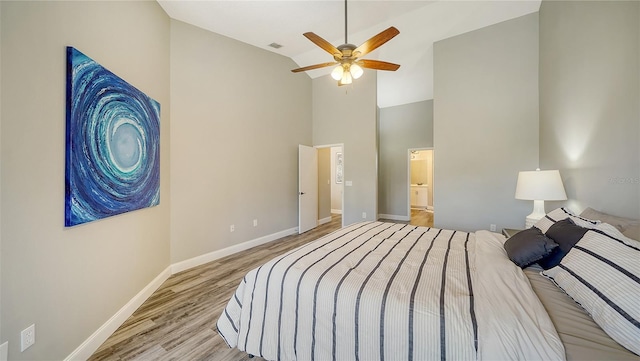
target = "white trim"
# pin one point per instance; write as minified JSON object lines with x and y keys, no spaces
{"x":336,"y":211}
{"x":91,"y":344}
{"x":430,"y":209}
{"x":324,"y":220}
{"x":394,"y":217}
{"x":212,"y":256}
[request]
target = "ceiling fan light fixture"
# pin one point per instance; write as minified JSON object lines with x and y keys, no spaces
{"x":346,"y":78}
{"x":356,"y":71}
{"x":348,"y":56}
{"x":337,"y":72}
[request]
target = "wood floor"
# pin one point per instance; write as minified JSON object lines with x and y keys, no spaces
{"x":421,"y":217}
{"x":178,"y":322}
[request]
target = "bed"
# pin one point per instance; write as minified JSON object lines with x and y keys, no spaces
{"x":388,"y":291}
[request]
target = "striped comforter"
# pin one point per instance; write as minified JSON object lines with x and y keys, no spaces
{"x":386,"y":291}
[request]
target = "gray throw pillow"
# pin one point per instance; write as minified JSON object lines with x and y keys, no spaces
{"x":528,"y":246}
{"x":566,"y":234}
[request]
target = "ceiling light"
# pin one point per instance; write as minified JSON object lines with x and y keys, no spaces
{"x":337,"y":72}
{"x":346,"y":78}
{"x":356,"y":71}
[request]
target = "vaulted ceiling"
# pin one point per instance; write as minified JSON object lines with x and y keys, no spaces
{"x":421,"y":23}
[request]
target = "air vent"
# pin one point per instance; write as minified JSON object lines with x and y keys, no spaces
{"x":275,"y":45}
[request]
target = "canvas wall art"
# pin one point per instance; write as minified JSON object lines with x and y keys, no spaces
{"x":112,"y":144}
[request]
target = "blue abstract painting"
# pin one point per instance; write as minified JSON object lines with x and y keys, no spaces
{"x":112,"y":144}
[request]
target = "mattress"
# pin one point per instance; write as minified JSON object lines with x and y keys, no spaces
{"x":583,"y":339}
{"x":376,"y":291}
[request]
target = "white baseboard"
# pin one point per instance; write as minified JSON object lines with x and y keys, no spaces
{"x":324,"y":220}
{"x":336,"y":211}
{"x":212,"y":256}
{"x":394,"y":217}
{"x":90,"y":345}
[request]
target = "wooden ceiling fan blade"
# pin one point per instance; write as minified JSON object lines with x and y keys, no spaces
{"x":316,"y":66}
{"x":325,"y":45}
{"x":377,"y":65}
{"x":376,"y":41}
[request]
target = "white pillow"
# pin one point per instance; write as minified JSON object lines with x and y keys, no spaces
{"x":602,"y":274}
{"x":559,"y":214}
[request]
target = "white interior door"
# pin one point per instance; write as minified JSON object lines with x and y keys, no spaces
{"x":307,"y":188}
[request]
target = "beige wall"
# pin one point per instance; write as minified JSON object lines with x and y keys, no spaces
{"x":430,"y":176}
{"x":347,"y":115}
{"x":485,"y":124}
{"x":419,"y":170}
{"x":234,"y":141}
{"x":590,"y":102}
{"x":70,"y":281}
{"x":401,"y":128}
{"x":336,"y":188}
{"x":324,"y":183}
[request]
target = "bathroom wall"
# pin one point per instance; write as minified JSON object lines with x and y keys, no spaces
{"x":336,"y":188}
{"x":419,"y":168}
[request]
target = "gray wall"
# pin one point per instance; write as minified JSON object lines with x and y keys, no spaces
{"x":400,"y":128}
{"x":234,"y":141}
{"x":590,"y":102}
{"x":324,"y":183}
{"x":347,"y":115}
{"x":485,"y":124}
{"x":70,"y":281}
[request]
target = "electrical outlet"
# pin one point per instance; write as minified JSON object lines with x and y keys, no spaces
{"x":364,"y":215}
{"x":27,"y":337}
{"x":255,"y":222}
{"x":232,"y":228}
{"x":492,"y":227}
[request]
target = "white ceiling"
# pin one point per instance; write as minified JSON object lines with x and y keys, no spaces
{"x":421,"y":23}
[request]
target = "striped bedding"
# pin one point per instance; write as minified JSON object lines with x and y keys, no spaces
{"x":387,"y":291}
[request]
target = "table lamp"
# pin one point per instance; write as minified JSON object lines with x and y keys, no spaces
{"x":539,"y":186}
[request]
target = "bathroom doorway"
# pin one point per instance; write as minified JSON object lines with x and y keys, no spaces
{"x":330,"y":183}
{"x":420,"y":186}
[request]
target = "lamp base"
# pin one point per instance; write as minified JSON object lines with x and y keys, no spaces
{"x":536,"y":215}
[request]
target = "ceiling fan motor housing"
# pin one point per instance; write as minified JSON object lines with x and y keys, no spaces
{"x":347,"y":53}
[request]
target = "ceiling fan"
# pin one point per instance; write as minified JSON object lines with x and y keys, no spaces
{"x":347,"y":56}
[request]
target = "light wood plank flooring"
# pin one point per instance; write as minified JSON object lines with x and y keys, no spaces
{"x":178,"y":322}
{"x":420,"y":217}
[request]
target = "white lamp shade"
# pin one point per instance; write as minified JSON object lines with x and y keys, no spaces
{"x":543,"y":185}
{"x":346,"y":78}
{"x":356,"y":71}
{"x":337,"y":72}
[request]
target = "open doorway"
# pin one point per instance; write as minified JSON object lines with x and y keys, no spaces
{"x":420,"y":186}
{"x":330,"y":183}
